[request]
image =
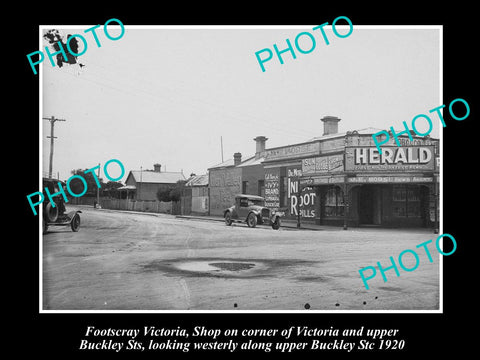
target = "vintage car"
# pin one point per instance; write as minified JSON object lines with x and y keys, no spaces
{"x":251,"y":209}
{"x":57,"y":215}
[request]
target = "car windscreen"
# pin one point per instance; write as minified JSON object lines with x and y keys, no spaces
{"x":255,"y":202}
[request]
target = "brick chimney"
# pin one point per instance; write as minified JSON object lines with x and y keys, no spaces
{"x":330,"y":125}
{"x":157,"y":167}
{"x":237,"y":158}
{"x":260,"y":146}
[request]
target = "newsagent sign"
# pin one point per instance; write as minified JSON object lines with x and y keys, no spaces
{"x":392,"y":158}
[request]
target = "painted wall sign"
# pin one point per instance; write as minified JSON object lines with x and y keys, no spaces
{"x":272,"y":189}
{"x":299,"y":203}
{"x":392,"y":158}
{"x":224,"y":185}
{"x":322,"y":164}
{"x":293,"y":151}
{"x":390,"y":179}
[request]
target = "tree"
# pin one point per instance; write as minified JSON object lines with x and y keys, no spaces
{"x":163,"y":193}
{"x":171,"y":192}
{"x":110,"y":188}
{"x":77,"y":186}
{"x":177,"y":192}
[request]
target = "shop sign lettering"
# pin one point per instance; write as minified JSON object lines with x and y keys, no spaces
{"x":322,"y":164}
{"x":272,"y":190}
{"x":292,"y":151}
{"x":392,"y":158}
{"x":301,"y":199}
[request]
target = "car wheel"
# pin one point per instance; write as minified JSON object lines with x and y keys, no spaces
{"x":75,"y":224}
{"x":228,"y":219}
{"x":276,"y":224}
{"x":252,"y":220}
{"x":51,"y":212}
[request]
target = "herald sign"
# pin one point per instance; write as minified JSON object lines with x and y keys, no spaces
{"x":391,"y":158}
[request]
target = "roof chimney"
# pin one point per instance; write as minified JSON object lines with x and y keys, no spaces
{"x":260,"y":146}
{"x":237,"y":158}
{"x":330,"y":125}
{"x":157,"y":167}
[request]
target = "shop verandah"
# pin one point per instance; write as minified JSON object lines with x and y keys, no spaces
{"x":375,"y":201}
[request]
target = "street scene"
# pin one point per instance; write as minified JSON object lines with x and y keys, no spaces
{"x":180,"y":182}
{"x":146,"y":261}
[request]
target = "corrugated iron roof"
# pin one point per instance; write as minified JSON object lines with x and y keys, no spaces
{"x":198,"y":180}
{"x":157,"y":177}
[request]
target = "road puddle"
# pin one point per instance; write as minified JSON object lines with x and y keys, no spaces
{"x":217,"y":267}
{"x":220,"y":267}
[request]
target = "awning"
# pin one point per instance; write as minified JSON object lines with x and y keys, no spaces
{"x":127,"y":187}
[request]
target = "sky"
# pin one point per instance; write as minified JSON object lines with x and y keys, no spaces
{"x":168,"y":95}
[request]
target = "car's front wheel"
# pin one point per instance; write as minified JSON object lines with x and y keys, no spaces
{"x":228,"y":218}
{"x":252,"y":220}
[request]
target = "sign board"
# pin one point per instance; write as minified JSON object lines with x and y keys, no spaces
{"x":390,"y":179}
{"x":322,"y":164}
{"x":293,"y":151}
{"x":393,"y":158}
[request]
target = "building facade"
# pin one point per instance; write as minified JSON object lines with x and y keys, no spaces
{"x":235,"y":176}
{"x":142,"y":185}
{"x":194,"y":199}
{"x":341,"y":179}
{"x":338,"y":179}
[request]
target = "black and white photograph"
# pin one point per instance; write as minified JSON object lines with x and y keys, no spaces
{"x":236,"y":188}
{"x":258,"y":186}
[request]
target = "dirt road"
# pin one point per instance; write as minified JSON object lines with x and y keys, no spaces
{"x":125,"y":261}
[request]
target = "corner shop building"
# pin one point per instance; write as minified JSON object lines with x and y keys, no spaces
{"x":341,"y":179}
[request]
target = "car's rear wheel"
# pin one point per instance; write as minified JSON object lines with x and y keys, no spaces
{"x":228,"y":218}
{"x":252,"y":220}
{"x":75,"y":224}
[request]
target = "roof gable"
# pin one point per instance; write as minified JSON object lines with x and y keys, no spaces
{"x":156,"y":177}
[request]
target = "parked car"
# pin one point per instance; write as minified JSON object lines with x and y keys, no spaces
{"x":57,"y":215}
{"x":251,"y":209}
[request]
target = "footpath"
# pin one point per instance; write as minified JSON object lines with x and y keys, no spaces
{"x":290,"y":224}
{"x":286,"y":224}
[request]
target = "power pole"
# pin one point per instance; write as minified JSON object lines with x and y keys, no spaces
{"x":52,"y":137}
{"x":221,"y":146}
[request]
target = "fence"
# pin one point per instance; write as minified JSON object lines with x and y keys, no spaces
{"x":139,"y":205}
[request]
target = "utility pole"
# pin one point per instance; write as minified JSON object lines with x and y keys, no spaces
{"x":221,"y":146}
{"x":52,"y":137}
{"x":98,"y":189}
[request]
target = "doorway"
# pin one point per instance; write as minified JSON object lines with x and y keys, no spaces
{"x":370,"y":205}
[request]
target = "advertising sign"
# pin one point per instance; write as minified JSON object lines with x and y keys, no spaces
{"x":420,"y":158}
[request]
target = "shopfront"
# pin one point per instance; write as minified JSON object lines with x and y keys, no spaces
{"x":360,"y":187}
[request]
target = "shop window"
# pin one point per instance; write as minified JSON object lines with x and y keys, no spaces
{"x":406,"y":201}
{"x":334,"y":205}
{"x":261,"y":188}
{"x":244,"y":187}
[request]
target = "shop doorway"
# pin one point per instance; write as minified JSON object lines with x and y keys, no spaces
{"x":370,"y":205}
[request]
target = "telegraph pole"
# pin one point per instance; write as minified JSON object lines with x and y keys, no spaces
{"x":52,"y":137}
